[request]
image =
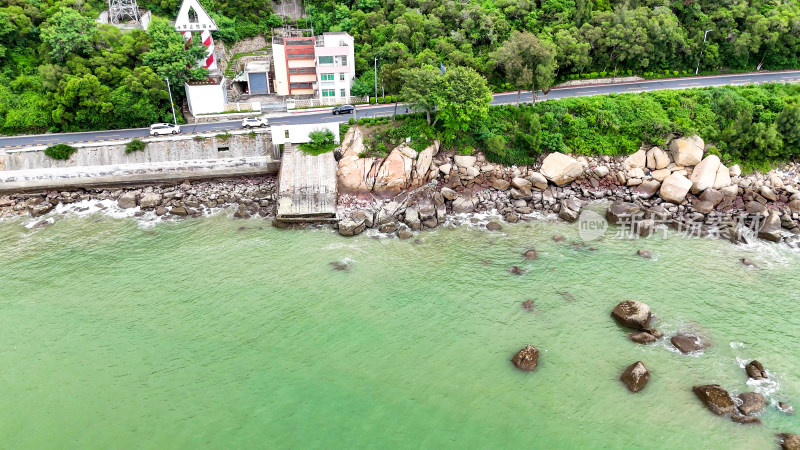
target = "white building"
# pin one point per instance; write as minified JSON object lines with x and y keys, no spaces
{"x":206,"y":96}
{"x":336,"y":70}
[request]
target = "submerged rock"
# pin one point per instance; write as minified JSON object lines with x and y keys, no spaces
{"x":740,"y":418}
{"x":755,"y":370}
{"x":635,"y":376}
{"x":785,"y":408}
{"x":642,"y":337}
{"x":747,"y":262}
{"x":516,"y":270}
{"x":644,"y":253}
{"x":530,"y":254}
{"x":752,"y":402}
{"x":527,"y":358}
{"x":338,"y":265}
{"x":715,"y":398}
{"x":558,"y":238}
{"x":632,"y":314}
{"x":689,"y":343}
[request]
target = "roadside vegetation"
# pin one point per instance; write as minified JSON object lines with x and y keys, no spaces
{"x":322,"y":141}
{"x":60,"y":151}
{"x":756,"y":126}
{"x":135,"y":145}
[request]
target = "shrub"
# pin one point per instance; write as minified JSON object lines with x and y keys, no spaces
{"x":135,"y":146}
{"x":59,"y":151}
{"x":352,"y":121}
{"x":322,"y":141}
{"x":372,"y":99}
{"x":223,"y":136}
{"x":380,"y":100}
{"x":199,"y":138}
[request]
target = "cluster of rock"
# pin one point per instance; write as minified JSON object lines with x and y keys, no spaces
{"x":670,"y":186}
{"x":637,"y":316}
{"x":251,"y":196}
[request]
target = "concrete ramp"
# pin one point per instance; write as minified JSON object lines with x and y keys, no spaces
{"x":306,"y":187}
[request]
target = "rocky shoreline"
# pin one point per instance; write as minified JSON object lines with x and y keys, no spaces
{"x":652,"y":189}
{"x":251,"y":196}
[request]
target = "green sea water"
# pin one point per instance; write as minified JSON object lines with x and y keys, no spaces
{"x":198,"y":334}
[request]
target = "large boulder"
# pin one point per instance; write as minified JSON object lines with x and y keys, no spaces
{"x":723,"y":177}
{"x":657,"y":158}
{"x":464,"y":160}
{"x":687,"y":150}
{"x":755,"y":370}
{"x":674,"y":188}
{"x":561,"y":169}
{"x":351,"y":226}
{"x":705,"y":173}
{"x":752,"y":403}
{"x":647,"y":189}
{"x":412,"y":219}
{"x":689,"y":343}
{"x":127,"y":200}
{"x":527,"y":358}
{"x":45,"y":207}
{"x":393,"y":175}
{"x":715,"y":398}
{"x":637,"y":160}
{"x":635,"y":377}
{"x":422,"y":166}
{"x":620,"y":212}
{"x":464,"y":204}
{"x":632,"y":314}
{"x":538,"y":180}
{"x":150,"y":200}
{"x":771,"y":229}
{"x":794,"y":206}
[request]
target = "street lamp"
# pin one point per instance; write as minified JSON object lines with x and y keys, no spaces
{"x":376,"y":78}
{"x":696,"y":71}
{"x":174,"y":119}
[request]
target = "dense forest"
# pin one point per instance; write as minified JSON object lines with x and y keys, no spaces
{"x":64,"y":72}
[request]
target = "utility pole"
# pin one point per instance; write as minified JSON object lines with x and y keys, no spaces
{"x":174,"y":119}
{"x":376,"y":79}
{"x":696,"y":71}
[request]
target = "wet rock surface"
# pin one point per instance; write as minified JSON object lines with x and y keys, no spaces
{"x":526,"y":359}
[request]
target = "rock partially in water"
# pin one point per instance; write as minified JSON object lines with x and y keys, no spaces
{"x":351,"y":226}
{"x":41,"y":224}
{"x":527,"y":358}
{"x":516,"y":270}
{"x":785,"y":408}
{"x":527,"y":304}
{"x":635,"y":376}
{"x":632,"y":314}
{"x":740,"y":418}
{"x":620,"y":212}
{"x":558,"y":238}
{"x":715,"y":398}
{"x":493,"y":226}
{"x":689,"y":343}
{"x":755,"y":370}
{"x":642,"y":337}
{"x":389,"y":227}
{"x":752,"y":402}
{"x":747,"y":262}
{"x":530,"y":254}
{"x":338,"y":265}
{"x":404,"y":234}
{"x":789,"y":441}
{"x":644,"y":253}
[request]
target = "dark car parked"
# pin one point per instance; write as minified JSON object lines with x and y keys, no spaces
{"x":344,"y":109}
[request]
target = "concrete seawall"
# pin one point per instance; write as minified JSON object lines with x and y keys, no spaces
{"x":163,"y":159}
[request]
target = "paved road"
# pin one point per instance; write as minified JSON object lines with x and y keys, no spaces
{"x":299,"y":117}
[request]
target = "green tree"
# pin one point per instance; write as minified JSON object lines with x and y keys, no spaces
{"x":420,"y":88}
{"x":463,"y":98}
{"x":68,"y":32}
{"x":527,"y":62}
{"x":169,"y":57}
{"x":788,"y":124}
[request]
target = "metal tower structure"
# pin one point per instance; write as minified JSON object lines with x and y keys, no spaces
{"x":119,"y":10}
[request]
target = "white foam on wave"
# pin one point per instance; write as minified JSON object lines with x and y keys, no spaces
{"x":767,"y":387}
{"x":737,"y":345}
{"x":30,"y":225}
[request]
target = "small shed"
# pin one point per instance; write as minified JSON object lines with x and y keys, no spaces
{"x":257,"y":73}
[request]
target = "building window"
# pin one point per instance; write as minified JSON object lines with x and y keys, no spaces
{"x":326,"y":77}
{"x":326,"y":59}
{"x":342,"y":93}
{"x":291,"y":56}
{"x":341,"y":76}
{"x":294,"y":85}
{"x":310,"y":55}
{"x":292,"y":70}
{"x":286,"y":134}
{"x":344,"y":60}
{"x":329,"y":92}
